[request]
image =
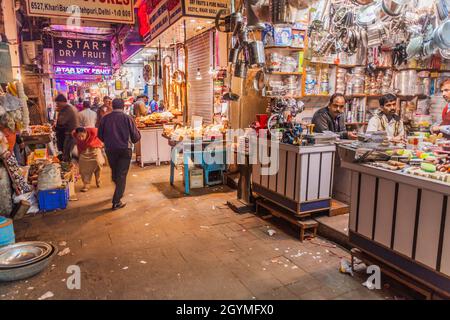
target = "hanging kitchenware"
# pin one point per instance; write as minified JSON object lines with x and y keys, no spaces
{"x":256,"y":53}
{"x":259,"y":81}
{"x":233,"y":55}
{"x":258,"y":13}
{"x":362,"y":2}
{"x":415,"y":47}
{"x":368,"y":15}
{"x":442,"y":7}
{"x":240,"y":69}
{"x":393,"y":8}
{"x":445,"y":53}
{"x":280,"y":12}
{"x":441,"y":35}
{"x":229,"y":23}
{"x":230,"y":96}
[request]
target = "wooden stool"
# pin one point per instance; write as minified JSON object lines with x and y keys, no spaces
{"x":307,"y":224}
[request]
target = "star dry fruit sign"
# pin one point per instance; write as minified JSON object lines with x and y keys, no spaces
{"x":82,"y":52}
{"x":117,"y":11}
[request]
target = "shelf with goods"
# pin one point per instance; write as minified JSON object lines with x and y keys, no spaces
{"x":220,"y":106}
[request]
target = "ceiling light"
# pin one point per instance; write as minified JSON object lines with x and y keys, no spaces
{"x":198,"y":76}
{"x":211,"y":70}
{"x":193,"y":21}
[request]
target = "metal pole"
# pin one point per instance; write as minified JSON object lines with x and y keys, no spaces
{"x":186,"y":74}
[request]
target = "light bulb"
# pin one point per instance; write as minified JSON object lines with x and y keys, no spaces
{"x":211,"y":70}
{"x":198,"y":75}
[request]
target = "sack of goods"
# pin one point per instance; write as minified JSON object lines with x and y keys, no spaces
{"x":50,"y":177}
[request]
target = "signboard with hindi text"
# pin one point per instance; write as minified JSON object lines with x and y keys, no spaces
{"x":82,"y":52}
{"x":116,"y":11}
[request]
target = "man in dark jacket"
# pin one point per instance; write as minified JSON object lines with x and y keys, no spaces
{"x":331,"y":118}
{"x":118,"y":132}
{"x":66,"y":122}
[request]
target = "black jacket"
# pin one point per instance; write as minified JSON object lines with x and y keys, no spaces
{"x":117,"y":131}
{"x":324,"y":122}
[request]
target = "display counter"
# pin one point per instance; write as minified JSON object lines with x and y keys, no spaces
{"x":402,"y":220}
{"x":303,"y":183}
{"x":153,"y":147}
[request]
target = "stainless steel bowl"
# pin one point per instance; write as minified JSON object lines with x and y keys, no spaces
{"x":24,"y":253}
{"x":27,"y":271}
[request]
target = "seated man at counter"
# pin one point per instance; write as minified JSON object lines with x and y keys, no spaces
{"x":388,"y":120}
{"x":444,"y":126}
{"x":331,"y":118}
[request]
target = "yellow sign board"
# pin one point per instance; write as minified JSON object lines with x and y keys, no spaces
{"x":117,"y":11}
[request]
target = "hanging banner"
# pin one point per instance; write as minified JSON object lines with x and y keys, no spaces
{"x":175,"y":10}
{"x":82,"y":52}
{"x":118,"y":11}
{"x":205,"y":8}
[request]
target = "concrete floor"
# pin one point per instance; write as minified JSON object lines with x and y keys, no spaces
{"x":165,"y":245}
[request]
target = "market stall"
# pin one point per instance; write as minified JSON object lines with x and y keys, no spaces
{"x":399,"y":213}
{"x":153,"y":147}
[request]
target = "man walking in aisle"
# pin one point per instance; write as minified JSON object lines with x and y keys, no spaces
{"x":87,"y":117}
{"x":67,"y":121}
{"x":118,"y":132}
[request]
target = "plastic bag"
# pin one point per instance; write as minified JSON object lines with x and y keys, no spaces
{"x":50,"y":177}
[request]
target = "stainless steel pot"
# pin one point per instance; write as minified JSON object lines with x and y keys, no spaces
{"x":441,"y":36}
{"x":256,"y":53}
{"x":259,"y":81}
{"x":229,"y":23}
{"x":233,"y":55}
{"x":393,"y":7}
{"x":240,"y":69}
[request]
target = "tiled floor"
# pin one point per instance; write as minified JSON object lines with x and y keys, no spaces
{"x":165,"y":245}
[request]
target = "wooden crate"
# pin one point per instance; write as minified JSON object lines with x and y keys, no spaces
{"x":302,"y":222}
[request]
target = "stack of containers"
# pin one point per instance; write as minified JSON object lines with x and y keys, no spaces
{"x":340,"y":80}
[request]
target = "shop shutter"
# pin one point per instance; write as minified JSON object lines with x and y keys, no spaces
{"x":200,"y":92}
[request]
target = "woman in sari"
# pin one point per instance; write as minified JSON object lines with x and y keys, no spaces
{"x":90,"y":155}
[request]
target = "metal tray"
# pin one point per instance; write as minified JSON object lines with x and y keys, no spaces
{"x":27,"y":271}
{"x":23,"y":253}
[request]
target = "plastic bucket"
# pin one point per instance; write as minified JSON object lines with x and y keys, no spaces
{"x":6,"y":232}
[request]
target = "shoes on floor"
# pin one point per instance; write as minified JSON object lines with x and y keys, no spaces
{"x":98,"y":184}
{"x":119,"y":205}
{"x":85,"y":189}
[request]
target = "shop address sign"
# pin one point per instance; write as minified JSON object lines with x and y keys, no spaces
{"x":118,"y":11}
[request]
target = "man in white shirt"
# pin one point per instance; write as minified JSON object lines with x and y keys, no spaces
{"x":87,"y":117}
{"x":388,"y":120}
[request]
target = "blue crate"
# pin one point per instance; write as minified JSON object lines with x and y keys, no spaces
{"x":53,"y":199}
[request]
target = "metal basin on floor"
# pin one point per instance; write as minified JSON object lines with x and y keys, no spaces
{"x":23,"y":253}
{"x":27,"y":271}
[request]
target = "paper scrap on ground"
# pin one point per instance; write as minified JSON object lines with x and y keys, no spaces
{"x":345,"y":267}
{"x":46,"y":295}
{"x":124,"y":268}
{"x":62,"y":243}
{"x":369,"y":285}
{"x":143,"y":262}
{"x":64,"y":252}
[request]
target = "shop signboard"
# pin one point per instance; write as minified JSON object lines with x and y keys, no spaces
{"x":160,"y":15}
{"x":159,"y":19}
{"x":175,"y":8}
{"x":75,"y":70}
{"x":116,"y":11}
{"x":82,"y":52}
{"x":205,"y":8}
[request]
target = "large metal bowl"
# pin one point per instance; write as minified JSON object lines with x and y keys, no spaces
{"x":27,"y":271}
{"x":23,"y":253}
